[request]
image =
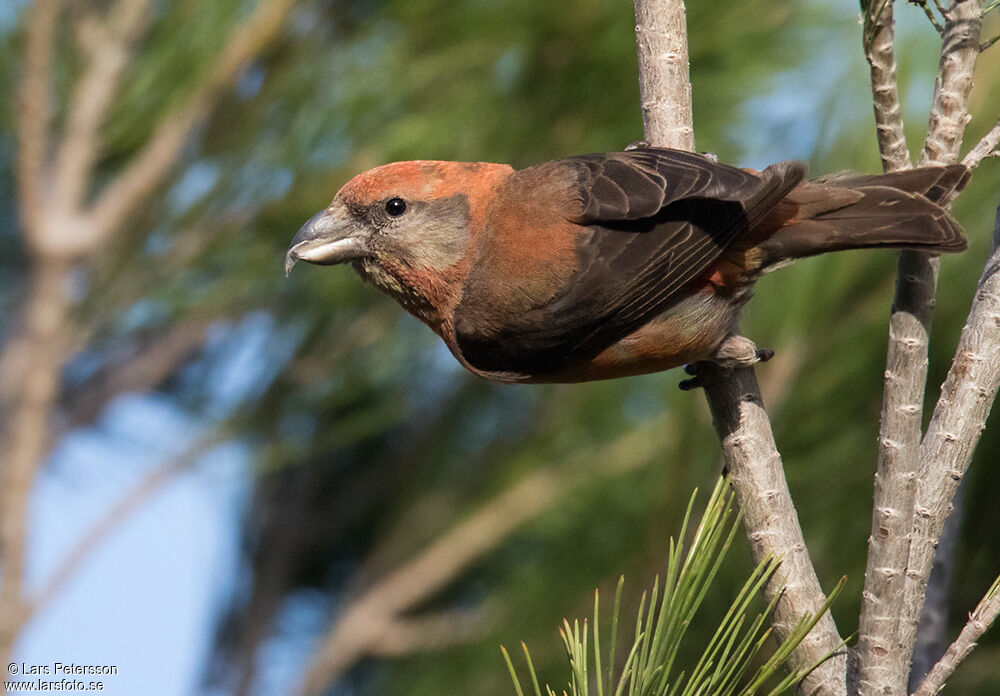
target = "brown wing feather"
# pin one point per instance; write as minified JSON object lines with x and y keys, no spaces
{"x":652,"y":221}
{"x":936,"y":184}
{"x":897,"y":210}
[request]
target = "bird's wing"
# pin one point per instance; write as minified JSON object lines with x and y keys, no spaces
{"x":638,"y":184}
{"x":648,"y":222}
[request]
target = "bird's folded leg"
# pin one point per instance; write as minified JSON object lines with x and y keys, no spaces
{"x":734,"y":351}
{"x":739,"y":351}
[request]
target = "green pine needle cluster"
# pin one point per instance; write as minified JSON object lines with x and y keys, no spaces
{"x":650,"y":667}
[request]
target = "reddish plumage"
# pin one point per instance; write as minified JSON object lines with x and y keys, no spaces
{"x":603,"y":266}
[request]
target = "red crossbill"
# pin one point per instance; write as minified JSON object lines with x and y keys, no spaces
{"x":602,"y":266}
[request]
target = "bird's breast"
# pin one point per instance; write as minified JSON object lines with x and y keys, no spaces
{"x":687,"y":332}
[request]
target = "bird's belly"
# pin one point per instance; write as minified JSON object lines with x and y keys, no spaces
{"x":688,"y":331}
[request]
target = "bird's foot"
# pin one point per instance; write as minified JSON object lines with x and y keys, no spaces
{"x":704,"y":373}
{"x":637,"y":145}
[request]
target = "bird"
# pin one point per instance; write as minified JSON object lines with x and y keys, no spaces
{"x":608,"y":265}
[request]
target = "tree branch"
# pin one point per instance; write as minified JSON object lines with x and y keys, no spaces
{"x":880,"y":53}
{"x":34,"y":111}
{"x":949,"y":108}
{"x":35,"y":355}
{"x":931,"y":17}
{"x":110,"y":50}
{"x":664,"y":84}
{"x":905,"y":374}
{"x":27,"y":437}
{"x":430,"y":632}
{"x":883,"y":651}
{"x":148,"y":362}
{"x":747,"y":441}
{"x":956,"y":424}
{"x":154,"y":481}
{"x":364,"y":624}
{"x":932,"y":630}
{"x":880,"y":665}
{"x":987,"y":147}
{"x":772,"y":526}
{"x":946,"y":126}
{"x":979,"y":621}
{"x":159,"y":155}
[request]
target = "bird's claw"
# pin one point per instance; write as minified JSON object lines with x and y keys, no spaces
{"x":704,"y":373}
{"x":764,"y":354}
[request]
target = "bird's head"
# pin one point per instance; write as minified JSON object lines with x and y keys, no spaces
{"x":403,"y":226}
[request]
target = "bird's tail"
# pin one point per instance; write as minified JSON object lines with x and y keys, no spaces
{"x":901,"y":210}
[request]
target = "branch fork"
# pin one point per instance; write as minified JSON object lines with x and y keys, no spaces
{"x":911,"y":502}
{"x":62,"y":226}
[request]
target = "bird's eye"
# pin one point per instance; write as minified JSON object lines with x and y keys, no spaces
{"x":395,"y":206}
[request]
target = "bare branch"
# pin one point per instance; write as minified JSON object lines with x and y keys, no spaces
{"x":664,"y":84}
{"x":772,"y":525}
{"x":956,"y":424}
{"x":153,"y":358}
{"x":38,"y":351}
{"x":880,"y":53}
{"x":905,"y":374}
{"x":880,"y":667}
{"x":887,"y":627}
{"x":110,"y":51}
{"x":432,"y":632}
{"x":987,"y":147}
{"x":34,"y":110}
{"x":32,"y":357}
{"x":932,"y":630}
{"x":979,"y":622}
{"x":27,"y":436}
{"x":946,"y":126}
{"x":154,"y":481}
{"x":949,"y":108}
{"x":747,"y":441}
{"x":367,"y":621}
{"x":148,"y":169}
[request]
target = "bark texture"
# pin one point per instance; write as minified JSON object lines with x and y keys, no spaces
{"x":936,"y":474}
{"x":664,"y":82}
{"x":881,"y":55}
{"x":959,"y":418}
{"x":987,"y":147}
{"x":906,"y":368}
{"x":751,"y":456}
{"x":889,"y":614}
{"x":772,"y":526}
{"x":979,"y":621}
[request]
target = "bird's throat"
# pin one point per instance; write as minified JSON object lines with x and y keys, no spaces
{"x":419,"y":292}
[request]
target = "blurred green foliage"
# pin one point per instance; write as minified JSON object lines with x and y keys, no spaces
{"x":370,"y":440}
